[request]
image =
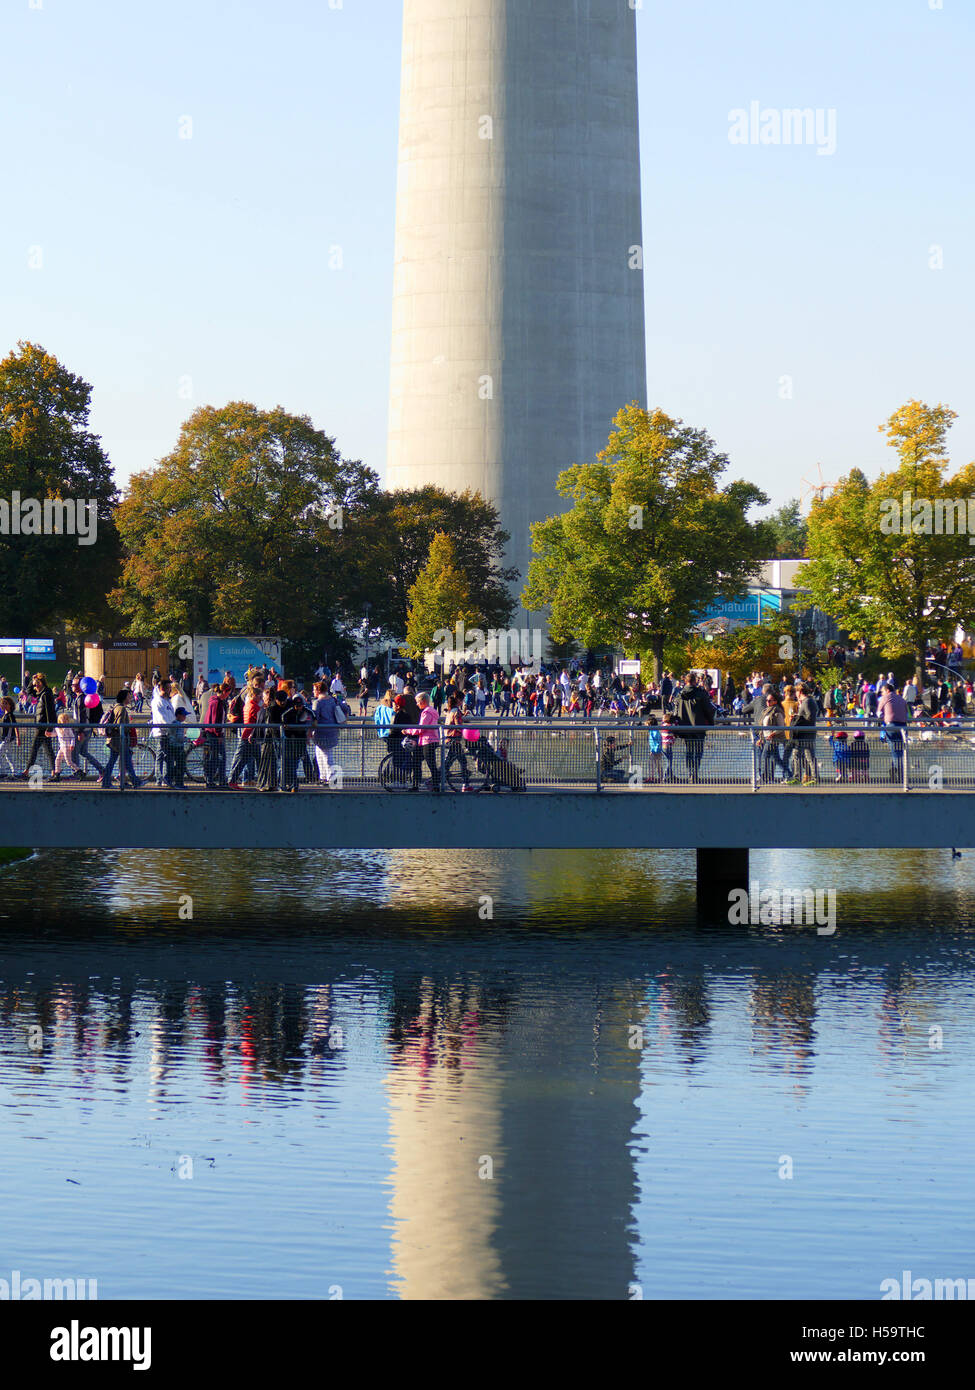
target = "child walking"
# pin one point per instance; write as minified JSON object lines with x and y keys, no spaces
{"x":66,"y":742}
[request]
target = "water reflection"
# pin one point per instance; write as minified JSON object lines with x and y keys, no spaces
{"x":406,"y":1099}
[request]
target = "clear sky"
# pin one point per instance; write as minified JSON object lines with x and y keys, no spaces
{"x":173,"y":272}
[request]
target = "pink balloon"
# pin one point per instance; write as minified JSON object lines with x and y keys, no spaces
{"x":91,"y":701}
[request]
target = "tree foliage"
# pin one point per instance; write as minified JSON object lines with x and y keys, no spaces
{"x":248,"y":526}
{"x":398,"y":538}
{"x":769,"y":647}
{"x":790,"y":531}
{"x":876,"y":561}
{"x":47,"y":451}
{"x":440,"y":598}
{"x":650,"y":541}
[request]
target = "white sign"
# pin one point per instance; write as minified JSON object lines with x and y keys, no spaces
{"x":628,"y":668}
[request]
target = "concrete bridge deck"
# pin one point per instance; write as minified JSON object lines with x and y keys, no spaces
{"x":677,"y":817}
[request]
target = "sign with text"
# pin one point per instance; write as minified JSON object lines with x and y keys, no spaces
{"x":214,"y":656}
{"x":40,"y":648}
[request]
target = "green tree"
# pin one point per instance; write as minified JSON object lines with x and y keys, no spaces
{"x":651,"y":539}
{"x":886,"y":562}
{"x":48,"y":452}
{"x":789,"y":528}
{"x":248,"y":526}
{"x":397,"y":540}
{"x":440,"y":598}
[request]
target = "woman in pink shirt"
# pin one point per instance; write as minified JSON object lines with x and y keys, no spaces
{"x":429,"y":738}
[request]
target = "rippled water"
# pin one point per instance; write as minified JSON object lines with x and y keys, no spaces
{"x":342,"y":1072}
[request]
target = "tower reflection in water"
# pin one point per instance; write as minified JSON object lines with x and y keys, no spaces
{"x":522,"y":1127}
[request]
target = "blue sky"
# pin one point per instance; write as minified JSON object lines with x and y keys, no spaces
{"x":174,"y":272}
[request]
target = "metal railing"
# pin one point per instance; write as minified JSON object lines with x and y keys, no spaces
{"x":497,"y":755}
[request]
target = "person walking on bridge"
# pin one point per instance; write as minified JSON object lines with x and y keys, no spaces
{"x":214,"y":750}
{"x":85,"y":717}
{"x":163,"y":716}
{"x":695,"y":713}
{"x":429,"y":738}
{"x":243,"y":766}
{"x":44,"y":713}
{"x":803,"y":729}
{"x":893,"y":714}
{"x":118,"y":737}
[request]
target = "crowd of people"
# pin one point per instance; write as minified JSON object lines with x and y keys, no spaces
{"x":289,"y":734}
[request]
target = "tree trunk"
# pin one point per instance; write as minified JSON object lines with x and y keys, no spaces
{"x":657,"y":648}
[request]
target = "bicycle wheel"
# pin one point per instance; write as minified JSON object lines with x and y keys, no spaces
{"x":144,"y":761}
{"x":477,"y":776}
{"x":193,"y":772}
{"x":391,"y":777}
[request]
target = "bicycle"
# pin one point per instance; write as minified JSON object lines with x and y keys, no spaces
{"x":396,"y":772}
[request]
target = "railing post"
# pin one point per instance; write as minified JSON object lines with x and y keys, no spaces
{"x":362,"y":751}
{"x":755,"y":747}
{"x":599,"y":760}
{"x":441,"y":732}
{"x":907,"y":775}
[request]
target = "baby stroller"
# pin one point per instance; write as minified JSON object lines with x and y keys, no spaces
{"x":473,"y":765}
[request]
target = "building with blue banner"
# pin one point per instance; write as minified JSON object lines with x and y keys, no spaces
{"x":747,"y":611}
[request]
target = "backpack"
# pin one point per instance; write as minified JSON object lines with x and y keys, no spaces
{"x":236,"y":710}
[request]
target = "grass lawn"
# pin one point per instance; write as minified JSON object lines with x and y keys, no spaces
{"x":10,"y":856}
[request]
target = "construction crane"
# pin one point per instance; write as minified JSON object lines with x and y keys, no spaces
{"x":816,"y":490}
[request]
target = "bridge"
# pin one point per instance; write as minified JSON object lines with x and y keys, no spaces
{"x":574,"y":796}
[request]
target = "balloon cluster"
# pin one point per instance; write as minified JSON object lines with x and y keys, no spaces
{"x":89,"y":688}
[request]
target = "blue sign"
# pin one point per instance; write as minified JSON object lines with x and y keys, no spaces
{"x":747,"y":611}
{"x":40,"y":648}
{"x":213,"y":656}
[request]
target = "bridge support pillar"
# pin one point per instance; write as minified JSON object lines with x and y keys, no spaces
{"x":719,"y":872}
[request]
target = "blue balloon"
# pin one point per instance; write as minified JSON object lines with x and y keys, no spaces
{"x":16,"y":689}
{"x":89,"y":685}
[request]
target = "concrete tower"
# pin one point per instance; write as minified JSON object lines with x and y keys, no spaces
{"x":518,"y":324}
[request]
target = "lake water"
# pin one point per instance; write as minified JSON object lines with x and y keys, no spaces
{"x":344,"y":1075}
